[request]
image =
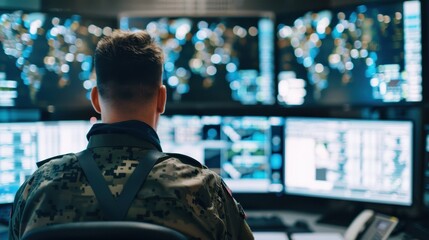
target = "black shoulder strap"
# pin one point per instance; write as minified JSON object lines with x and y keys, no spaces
{"x":117,"y":209}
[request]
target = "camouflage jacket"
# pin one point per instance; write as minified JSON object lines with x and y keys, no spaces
{"x":178,"y":193}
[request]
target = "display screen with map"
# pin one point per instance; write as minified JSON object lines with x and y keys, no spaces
{"x":213,"y":60}
{"x":363,"y":55}
{"x":46,"y":59}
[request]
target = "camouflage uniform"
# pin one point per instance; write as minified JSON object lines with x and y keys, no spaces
{"x":178,"y":193}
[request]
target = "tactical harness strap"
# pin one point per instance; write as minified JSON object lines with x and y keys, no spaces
{"x":117,"y":208}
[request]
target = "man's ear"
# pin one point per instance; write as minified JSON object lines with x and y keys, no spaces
{"x":95,"y":99}
{"x":162,"y":99}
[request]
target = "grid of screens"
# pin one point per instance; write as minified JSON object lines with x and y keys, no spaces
{"x":23,"y":144}
{"x":246,"y":151}
{"x":369,"y":55}
{"x":214,"y":60}
{"x":369,"y":161}
{"x":46,"y":59}
{"x":360,"y":160}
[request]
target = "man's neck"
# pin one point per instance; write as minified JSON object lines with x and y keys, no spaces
{"x":144,"y":112}
{"x":150,"y":119}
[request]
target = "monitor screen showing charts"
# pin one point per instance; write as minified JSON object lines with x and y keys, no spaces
{"x":246,"y":151}
{"x":357,"y":160}
{"x":24,"y":144}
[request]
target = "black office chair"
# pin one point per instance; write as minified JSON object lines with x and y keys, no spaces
{"x":103,"y":230}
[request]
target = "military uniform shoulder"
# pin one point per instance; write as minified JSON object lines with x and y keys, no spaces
{"x":185,"y":159}
{"x":52,"y":159}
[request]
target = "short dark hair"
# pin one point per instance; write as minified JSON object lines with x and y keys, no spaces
{"x":128,"y":66}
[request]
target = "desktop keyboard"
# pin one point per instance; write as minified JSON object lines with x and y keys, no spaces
{"x":266,"y":223}
{"x":417,"y":230}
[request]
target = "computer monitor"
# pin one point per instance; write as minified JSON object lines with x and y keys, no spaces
{"x":213,"y":59}
{"x":365,"y":55}
{"x":46,"y":59}
{"x":355,"y":160}
{"x":246,"y":151}
{"x":23,"y":144}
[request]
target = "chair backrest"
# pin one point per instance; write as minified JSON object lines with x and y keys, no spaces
{"x":103,"y":230}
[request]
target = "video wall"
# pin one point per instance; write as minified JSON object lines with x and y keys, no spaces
{"x":368,"y":55}
{"x":361,"y":56}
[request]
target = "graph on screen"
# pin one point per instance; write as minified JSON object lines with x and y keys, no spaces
{"x":360,"y":160}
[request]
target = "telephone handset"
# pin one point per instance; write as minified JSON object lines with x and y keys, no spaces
{"x":369,"y":225}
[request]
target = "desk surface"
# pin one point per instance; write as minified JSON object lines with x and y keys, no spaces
{"x":288,"y":217}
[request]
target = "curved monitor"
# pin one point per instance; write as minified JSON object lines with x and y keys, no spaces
{"x":362,"y":56}
{"x":213,"y":59}
{"x":357,"y":160}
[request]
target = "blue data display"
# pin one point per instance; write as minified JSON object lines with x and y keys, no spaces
{"x":24,"y":144}
{"x":246,"y":151}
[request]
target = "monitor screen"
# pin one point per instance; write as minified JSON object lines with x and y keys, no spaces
{"x":46,"y":59}
{"x":24,"y":144}
{"x":213,"y":60}
{"x":367,"y":55}
{"x":357,"y":160}
{"x":246,"y":151}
